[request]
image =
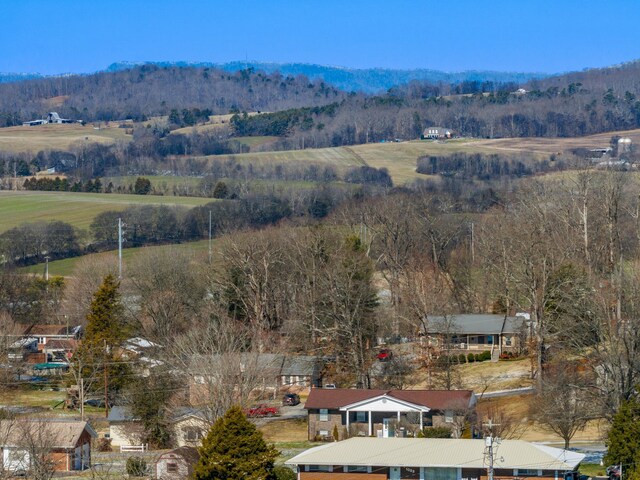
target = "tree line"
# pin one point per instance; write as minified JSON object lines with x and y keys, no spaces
{"x":485,"y":167}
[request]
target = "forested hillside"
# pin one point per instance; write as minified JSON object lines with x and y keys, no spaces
{"x":571,"y":105}
{"x":149,"y":91}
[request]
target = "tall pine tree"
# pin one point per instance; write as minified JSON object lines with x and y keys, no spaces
{"x":234,"y":449}
{"x":100,"y":347}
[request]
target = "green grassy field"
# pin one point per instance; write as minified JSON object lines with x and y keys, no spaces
{"x":66,"y":266}
{"x":78,"y":209}
{"x":162,"y":183}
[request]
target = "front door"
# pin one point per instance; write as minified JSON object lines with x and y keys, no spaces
{"x":394,"y":473}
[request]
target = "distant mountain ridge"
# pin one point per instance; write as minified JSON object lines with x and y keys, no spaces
{"x":17,"y":77}
{"x":368,"y":80}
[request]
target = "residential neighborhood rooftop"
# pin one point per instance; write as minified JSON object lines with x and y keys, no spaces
{"x":434,"y":399}
{"x":438,"y":452}
{"x":477,"y":323}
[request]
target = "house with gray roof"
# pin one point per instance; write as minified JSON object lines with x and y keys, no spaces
{"x":496,"y":333}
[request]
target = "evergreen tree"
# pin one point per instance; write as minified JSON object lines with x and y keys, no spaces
{"x":100,"y":347}
{"x":623,"y":442}
{"x":105,"y":322}
{"x":234,"y":449}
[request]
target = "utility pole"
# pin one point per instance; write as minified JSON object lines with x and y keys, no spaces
{"x":120,"y":248}
{"x":473,"y":246}
{"x":210,"y":237}
{"x":46,"y":268}
{"x":106,"y":383}
{"x":81,"y":395}
{"x":489,"y":443}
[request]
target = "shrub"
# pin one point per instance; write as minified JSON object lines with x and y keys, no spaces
{"x":471,"y":358}
{"x":283,"y":473}
{"x":435,"y":432}
{"x":335,"y":433}
{"x":104,"y":445}
{"x":484,"y":356}
{"x":136,"y":466}
{"x":462,"y":358}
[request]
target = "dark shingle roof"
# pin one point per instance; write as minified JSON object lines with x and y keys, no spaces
{"x":434,"y":399}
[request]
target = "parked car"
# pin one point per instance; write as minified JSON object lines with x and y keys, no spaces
{"x":384,"y":355}
{"x":262,"y":410}
{"x":290,"y":399}
{"x":613,"y":472}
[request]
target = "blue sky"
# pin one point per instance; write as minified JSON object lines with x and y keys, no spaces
{"x":56,"y":36}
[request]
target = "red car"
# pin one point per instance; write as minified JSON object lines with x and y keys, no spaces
{"x":384,"y":355}
{"x":262,"y":411}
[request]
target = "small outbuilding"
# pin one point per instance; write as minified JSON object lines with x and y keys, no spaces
{"x":177,"y":464}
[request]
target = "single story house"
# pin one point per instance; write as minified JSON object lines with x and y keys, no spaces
{"x":478,"y":331}
{"x":436,"y":133}
{"x":270,"y":372}
{"x":63,"y":445}
{"x":432,"y":458}
{"x":177,"y":464}
{"x":385,"y":413}
{"x":190,"y":426}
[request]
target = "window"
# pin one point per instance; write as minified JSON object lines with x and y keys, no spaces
{"x":527,"y":472}
{"x":508,"y":340}
{"x":192,"y":434}
{"x":172,"y":467}
{"x":319,"y":468}
{"x":448,"y":416}
{"x":357,"y":468}
{"x":324,"y":415}
{"x":361,"y":417}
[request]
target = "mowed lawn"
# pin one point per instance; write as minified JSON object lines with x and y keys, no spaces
{"x":78,"y":209}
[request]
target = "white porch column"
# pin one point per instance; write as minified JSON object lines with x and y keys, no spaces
{"x":370,"y":424}
{"x":398,"y":416}
{"x":347,"y":414}
{"x":421,"y":421}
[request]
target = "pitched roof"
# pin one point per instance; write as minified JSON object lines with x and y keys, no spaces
{"x":434,"y":399}
{"x":123,"y":413}
{"x":36,"y":330}
{"x":62,"y":344}
{"x":437,"y":452}
{"x":190,"y":454}
{"x":478,"y":323}
{"x":52,"y":433}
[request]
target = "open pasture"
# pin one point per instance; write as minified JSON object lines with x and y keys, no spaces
{"x":78,"y":209}
{"x":58,"y":137}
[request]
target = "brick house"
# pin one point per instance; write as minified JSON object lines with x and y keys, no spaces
{"x":385,"y":413}
{"x":433,"y":458}
{"x":59,"y":445}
